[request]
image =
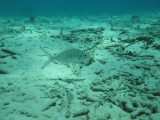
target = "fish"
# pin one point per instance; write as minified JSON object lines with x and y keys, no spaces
{"x":71,"y":55}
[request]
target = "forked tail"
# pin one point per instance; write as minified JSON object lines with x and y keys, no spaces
{"x":46,"y":63}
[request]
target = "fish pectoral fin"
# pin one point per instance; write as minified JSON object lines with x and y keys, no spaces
{"x":74,"y":66}
{"x":46,"y":63}
{"x":75,"y":69}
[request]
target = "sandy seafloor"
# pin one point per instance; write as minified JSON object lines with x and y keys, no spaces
{"x":120,"y":82}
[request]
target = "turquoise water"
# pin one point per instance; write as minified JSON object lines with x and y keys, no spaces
{"x":51,"y":7}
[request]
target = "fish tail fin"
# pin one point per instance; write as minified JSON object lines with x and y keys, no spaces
{"x":46,"y":63}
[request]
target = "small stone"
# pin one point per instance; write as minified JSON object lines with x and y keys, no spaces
{"x":10,"y":83}
{"x":128,"y":107}
{"x":81,"y":112}
{"x":6,"y":103}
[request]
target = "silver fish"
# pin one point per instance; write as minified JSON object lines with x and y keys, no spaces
{"x":72,"y":55}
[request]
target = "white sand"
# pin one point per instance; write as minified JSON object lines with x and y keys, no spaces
{"x":120,"y":83}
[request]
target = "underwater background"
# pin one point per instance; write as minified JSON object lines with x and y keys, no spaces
{"x":79,"y":59}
